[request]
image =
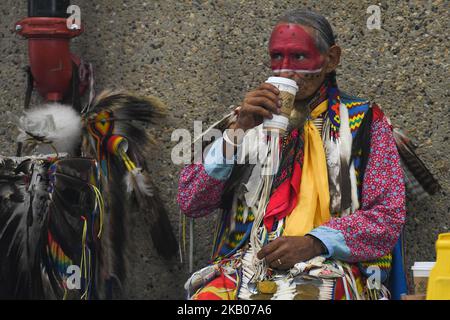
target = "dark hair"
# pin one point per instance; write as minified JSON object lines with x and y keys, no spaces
{"x":324,"y":33}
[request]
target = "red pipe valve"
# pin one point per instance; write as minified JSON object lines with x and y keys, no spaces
{"x":50,"y":58}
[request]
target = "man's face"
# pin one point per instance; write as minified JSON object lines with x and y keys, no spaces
{"x":294,"y":54}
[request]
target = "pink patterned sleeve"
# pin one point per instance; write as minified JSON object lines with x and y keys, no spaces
{"x":198,"y":193}
{"x":372,"y":231}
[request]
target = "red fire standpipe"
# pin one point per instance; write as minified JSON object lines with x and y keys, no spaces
{"x":51,"y":61}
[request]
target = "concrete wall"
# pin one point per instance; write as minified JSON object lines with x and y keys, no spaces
{"x":202,"y":56}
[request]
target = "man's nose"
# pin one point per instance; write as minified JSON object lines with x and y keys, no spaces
{"x":286,"y":68}
{"x":285,"y":63}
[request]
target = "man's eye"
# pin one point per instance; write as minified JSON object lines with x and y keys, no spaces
{"x":277,"y":56}
{"x":299,"y":56}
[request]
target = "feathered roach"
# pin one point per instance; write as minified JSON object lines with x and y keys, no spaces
{"x":64,"y":218}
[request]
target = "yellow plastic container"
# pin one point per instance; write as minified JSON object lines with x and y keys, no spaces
{"x":439,"y":281}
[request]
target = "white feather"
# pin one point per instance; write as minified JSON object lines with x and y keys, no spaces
{"x":135,"y":178}
{"x":355,"y":201}
{"x":57,"y":123}
{"x":346,"y":140}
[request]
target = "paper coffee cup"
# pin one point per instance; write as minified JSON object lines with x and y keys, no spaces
{"x":421,"y":273}
{"x":288,"y":89}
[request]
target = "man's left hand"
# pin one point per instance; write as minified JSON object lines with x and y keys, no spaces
{"x":284,"y":252}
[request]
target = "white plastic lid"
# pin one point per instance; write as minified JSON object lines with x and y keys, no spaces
{"x":284,"y":84}
{"x":422,"y":268}
{"x":423,"y":265}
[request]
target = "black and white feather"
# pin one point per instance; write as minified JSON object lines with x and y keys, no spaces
{"x":420,"y":182}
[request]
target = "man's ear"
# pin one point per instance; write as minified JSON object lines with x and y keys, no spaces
{"x":334,"y":57}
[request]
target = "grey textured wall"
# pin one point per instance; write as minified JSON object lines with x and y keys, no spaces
{"x":202,"y":56}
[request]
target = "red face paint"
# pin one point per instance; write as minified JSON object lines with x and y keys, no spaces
{"x":292,"y":48}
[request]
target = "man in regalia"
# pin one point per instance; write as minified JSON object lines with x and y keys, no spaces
{"x":336,"y":206}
